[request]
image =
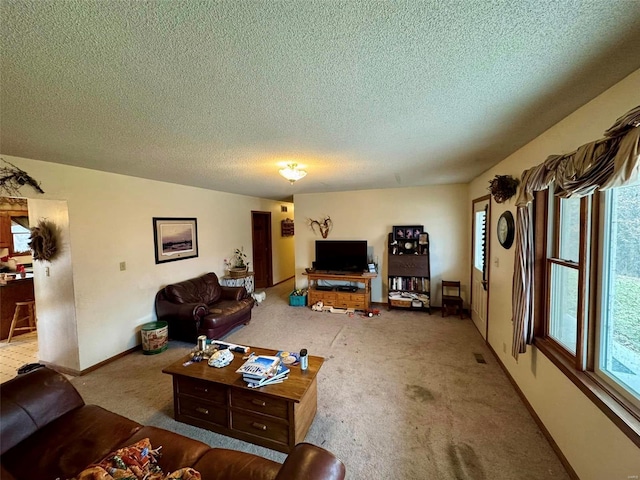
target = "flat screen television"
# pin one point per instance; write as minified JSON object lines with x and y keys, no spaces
{"x":341,"y":255}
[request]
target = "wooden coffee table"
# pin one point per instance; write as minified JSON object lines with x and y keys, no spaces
{"x":275,"y":416}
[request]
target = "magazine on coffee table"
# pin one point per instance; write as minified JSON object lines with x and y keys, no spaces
{"x":259,"y":367}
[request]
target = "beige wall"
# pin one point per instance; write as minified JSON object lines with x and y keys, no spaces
{"x":370,"y":214}
{"x":593,"y":445}
{"x":110,"y":221}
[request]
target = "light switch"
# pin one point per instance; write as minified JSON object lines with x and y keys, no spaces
{"x":46,"y":271}
{"x":123,"y":266}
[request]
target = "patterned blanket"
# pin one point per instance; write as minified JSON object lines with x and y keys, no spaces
{"x":135,"y":462}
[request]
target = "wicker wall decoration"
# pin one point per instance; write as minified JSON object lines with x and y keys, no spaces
{"x":503,"y":187}
{"x":44,"y":240}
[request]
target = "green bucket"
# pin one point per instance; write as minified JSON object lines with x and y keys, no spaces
{"x":155,"y":337}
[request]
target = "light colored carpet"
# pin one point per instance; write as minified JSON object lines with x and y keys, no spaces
{"x":400,"y":395}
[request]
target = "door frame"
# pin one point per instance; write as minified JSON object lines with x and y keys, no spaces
{"x":484,"y":198}
{"x":254,"y":214}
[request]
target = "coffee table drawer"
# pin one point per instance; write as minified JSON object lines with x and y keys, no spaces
{"x":204,"y":390}
{"x":256,"y":402}
{"x":192,"y":407}
{"x":260,"y":426}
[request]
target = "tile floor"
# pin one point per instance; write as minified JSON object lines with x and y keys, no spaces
{"x":22,"y":349}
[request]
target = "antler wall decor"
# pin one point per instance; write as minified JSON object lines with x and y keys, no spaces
{"x":325,"y":225}
{"x":12,"y":178}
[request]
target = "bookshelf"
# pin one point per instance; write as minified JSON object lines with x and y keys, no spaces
{"x":409,"y":277}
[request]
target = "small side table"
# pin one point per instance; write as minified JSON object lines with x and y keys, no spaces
{"x":245,"y":281}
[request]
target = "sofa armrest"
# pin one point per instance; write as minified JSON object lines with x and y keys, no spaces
{"x":311,"y":463}
{"x":31,"y":401}
{"x":183,"y":311}
{"x":233,"y":293}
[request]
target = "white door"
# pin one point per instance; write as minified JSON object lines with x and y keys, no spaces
{"x":480,"y":264}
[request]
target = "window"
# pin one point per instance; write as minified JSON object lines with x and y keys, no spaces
{"x":479,"y":242}
{"x":588,"y":296}
{"x":20,"y":234}
{"x":565,"y":264}
{"x":563,"y":314}
{"x":618,"y":335}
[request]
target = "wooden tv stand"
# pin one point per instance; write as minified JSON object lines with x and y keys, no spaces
{"x":358,"y":300}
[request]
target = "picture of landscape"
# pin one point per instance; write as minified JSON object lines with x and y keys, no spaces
{"x":175,"y":238}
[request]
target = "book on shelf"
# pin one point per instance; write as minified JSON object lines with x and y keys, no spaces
{"x":414,"y":284}
{"x":422,"y":296}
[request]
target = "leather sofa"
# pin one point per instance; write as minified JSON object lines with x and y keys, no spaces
{"x":48,"y":432}
{"x":201,"y":306}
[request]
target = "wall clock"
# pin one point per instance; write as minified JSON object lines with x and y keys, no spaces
{"x":506,"y":229}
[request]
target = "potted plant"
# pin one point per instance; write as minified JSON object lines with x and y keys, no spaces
{"x":237,"y":264}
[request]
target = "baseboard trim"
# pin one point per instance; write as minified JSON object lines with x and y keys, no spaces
{"x":59,"y":369}
{"x":282,"y":281}
{"x":79,"y":373}
{"x":565,"y":463}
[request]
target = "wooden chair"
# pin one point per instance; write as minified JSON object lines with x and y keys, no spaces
{"x":29,"y":317}
{"x":451,"y":297}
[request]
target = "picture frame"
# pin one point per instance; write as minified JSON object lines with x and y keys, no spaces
{"x":407,"y":232}
{"x":175,"y":238}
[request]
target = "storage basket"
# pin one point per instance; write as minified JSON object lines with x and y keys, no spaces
{"x":238,"y":272}
{"x":298,"y":300}
{"x":400,"y":303}
{"x":155,"y":337}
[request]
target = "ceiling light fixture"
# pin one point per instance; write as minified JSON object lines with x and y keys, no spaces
{"x":292,"y":173}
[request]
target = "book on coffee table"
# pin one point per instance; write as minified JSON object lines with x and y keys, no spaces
{"x":259,"y":367}
{"x":280,"y":376}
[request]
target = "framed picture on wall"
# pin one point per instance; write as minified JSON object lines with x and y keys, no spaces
{"x":407,"y":232}
{"x":175,"y":238}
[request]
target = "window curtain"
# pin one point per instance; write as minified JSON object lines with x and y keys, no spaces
{"x":610,"y":162}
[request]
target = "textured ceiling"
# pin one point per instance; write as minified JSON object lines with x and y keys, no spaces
{"x":362,"y":93}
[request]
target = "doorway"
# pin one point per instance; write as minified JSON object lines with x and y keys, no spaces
{"x":16,"y":261}
{"x":262,"y":249}
{"x":15,"y":257}
{"x":480,"y":254}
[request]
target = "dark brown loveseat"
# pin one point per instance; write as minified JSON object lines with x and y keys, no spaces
{"x":47,"y":432}
{"x":201,"y":306}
